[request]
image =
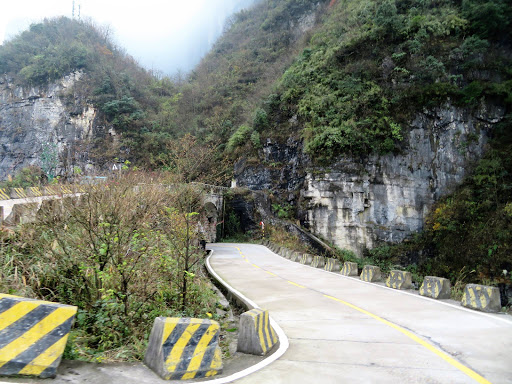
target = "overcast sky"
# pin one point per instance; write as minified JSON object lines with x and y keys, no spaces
{"x":164,"y":35}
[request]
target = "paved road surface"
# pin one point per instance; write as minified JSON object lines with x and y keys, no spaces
{"x":342,"y":330}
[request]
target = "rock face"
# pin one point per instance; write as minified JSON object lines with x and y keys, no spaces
{"x":41,"y":118}
{"x":356,"y":203}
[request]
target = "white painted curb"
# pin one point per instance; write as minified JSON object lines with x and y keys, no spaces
{"x":283,"y":340}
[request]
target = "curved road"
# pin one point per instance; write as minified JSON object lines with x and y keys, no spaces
{"x":343,"y":330}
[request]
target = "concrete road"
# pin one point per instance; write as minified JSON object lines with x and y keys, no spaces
{"x":343,"y":330}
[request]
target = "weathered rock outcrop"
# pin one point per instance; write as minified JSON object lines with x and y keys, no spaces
{"x":357,"y":203}
{"x":41,"y":118}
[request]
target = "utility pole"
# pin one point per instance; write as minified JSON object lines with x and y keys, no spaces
{"x":73,"y":10}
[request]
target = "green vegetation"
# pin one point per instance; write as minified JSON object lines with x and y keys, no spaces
{"x":123,"y":255}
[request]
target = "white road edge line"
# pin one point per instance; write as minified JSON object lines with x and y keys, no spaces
{"x":495,"y":317}
{"x":283,"y":340}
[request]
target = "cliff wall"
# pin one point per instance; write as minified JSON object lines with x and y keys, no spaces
{"x":42,"y":118}
{"x":357,"y":203}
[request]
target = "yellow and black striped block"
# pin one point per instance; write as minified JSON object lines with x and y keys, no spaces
{"x":349,"y":269}
{"x":184,"y":348}
{"x":33,"y":335}
{"x":18,"y":193}
{"x":318,"y":262}
{"x":436,"y":287}
{"x":4,"y":195}
{"x":256,"y":335}
{"x":306,"y":259}
{"x":51,"y":190}
{"x":399,"y":280}
{"x":482,"y":298}
{"x":34,"y":192}
{"x":332,"y":265}
{"x":371,"y":273}
{"x":66,"y":189}
{"x":295,"y":256}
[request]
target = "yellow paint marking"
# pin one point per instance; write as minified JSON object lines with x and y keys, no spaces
{"x":475,"y":376}
{"x":270,"y":273}
{"x":16,"y":312}
{"x":50,"y":322}
{"x":255,"y":266}
{"x":260,"y":333}
{"x":267,"y":326}
{"x":45,"y":359}
{"x":169,"y":327}
{"x":297,"y":285}
{"x":199,"y":352}
{"x":177,"y":350}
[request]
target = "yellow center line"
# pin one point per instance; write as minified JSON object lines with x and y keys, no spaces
{"x":475,"y":376}
{"x":270,"y":273}
{"x":297,"y":285}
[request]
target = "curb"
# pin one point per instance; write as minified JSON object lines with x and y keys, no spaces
{"x":283,"y":340}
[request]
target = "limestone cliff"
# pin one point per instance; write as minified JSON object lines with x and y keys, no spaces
{"x":357,"y":203}
{"x":43,"y":118}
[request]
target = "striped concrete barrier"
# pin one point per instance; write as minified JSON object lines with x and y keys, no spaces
{"x":4,"y":194}
{"x":371,"y":274}
{"x":33,"y":335}
{"x":286,"y":253}
{"x":66,"y":189}
{"x":295,"y":256}
{"x":332,"y":265}
{"x":34,"y":192}
{"x":318,"y":262}
{"x":349,"y":269}
{"x":18,"y":193}
{"x":256,"y":335}
{"x":184,"y":348}
{"x":436,"y":287}
{"x":306,"y":259}
{"x":482,"y":298}
{"x":399,"y":280}
{"x":51,"y":190}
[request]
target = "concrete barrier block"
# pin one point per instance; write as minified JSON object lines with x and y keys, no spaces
{"x":482,"y":298}
{"x":33,"y":335}
{"x":399,"y":280}
{"x":318,"y":262}
{"x":66,"y":189}
{"x":184,"y":348}
{"x":34,"y":192}
{"x":18,"y":193}
{"x":306,"y":259}
{"x":332,"y":265}
{"x":4,"y":194}
{"x":295,"y":256}
{"x":349,"y":269}
{"x":371,"y":274}
{"x":256,"y":335}
{"x":51,"y":190}
{"x":436,"y":287}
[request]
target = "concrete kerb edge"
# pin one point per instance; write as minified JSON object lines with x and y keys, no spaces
{"x":283,"y":339}
{"x":495,"y":316}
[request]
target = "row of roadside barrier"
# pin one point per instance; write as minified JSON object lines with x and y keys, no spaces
{"x":49,"y":190}
{"x":34,"y":333}
{"x":478,"y":297}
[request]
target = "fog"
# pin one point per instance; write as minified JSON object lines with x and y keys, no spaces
{"x":165,"y":36}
